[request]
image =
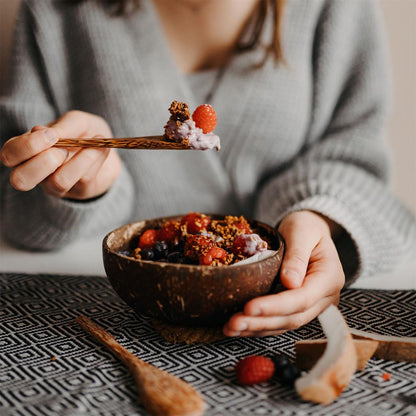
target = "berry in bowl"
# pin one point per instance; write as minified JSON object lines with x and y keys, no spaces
{"x":193,"y":269}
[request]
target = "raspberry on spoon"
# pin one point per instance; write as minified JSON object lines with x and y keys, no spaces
{"x":205,"y":118}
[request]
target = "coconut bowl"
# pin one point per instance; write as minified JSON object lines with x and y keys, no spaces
{"x":183,"y":294}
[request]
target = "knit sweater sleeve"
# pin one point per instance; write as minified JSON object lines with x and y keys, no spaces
{"x":33,"y":219}
{"x":343,"y":171}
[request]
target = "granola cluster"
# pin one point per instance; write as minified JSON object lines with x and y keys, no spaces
{"x":179,"y":111}
{"x":229,"y":228}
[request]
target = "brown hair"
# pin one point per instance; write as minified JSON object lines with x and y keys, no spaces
{"x":250,"y":37}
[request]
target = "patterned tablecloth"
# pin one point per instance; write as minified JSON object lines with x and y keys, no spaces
{"x":49,"y":366}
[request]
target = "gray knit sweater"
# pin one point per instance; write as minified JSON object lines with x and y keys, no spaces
{"x":303,"y":135}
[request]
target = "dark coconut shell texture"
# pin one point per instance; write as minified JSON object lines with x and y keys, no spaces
{"x":189,"y":295}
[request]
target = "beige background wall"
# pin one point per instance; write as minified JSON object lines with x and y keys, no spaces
{"x":400,"y":22}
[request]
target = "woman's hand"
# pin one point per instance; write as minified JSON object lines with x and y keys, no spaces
{"x":68,"y":173}
{"x":312,"y":272}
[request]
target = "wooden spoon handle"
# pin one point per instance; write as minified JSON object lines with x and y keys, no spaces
{"x":104,"y":338}
{"x":161,"y":393}
{"x":147,"y":142}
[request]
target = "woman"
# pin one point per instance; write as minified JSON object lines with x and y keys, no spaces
{"x":302,"y":143}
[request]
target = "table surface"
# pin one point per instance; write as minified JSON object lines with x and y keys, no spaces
{"x":49,"y":366}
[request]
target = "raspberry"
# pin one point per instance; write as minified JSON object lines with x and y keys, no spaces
{"x":205,"y":118}
{"x":169,"y":232}
{"x":197,"y":245}
{"x":213,"y":253}
{"x":195,"y":222}
{"x":254,"y":369}
{"x":148,"y":238}
{"x":239,"y":244}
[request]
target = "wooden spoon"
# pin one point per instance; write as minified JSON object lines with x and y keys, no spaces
{"x":146,"y":142}
{"x":161,"y":393}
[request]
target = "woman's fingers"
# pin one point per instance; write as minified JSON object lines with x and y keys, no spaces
{"x":296,"y":259}
{"x":268,"y":325}
{"x":301,"y":232}
{"x":293,"y":308}
{"x":80,"y":124}
{"x":27,"y":175}
{"x":88,"y":174}
{"x":289,"y":309}
{"x":21,"y":148}
{"x":78,"y":177}
{"x":238,"y":325}
{"x":288,"y":302}
{"x":37,"y":128}
{"x":100,"y":176}
{"x":75,"y":172}
{"x":66,"y":176}
{"x":325,"y":277}
{"x":72,"y":124}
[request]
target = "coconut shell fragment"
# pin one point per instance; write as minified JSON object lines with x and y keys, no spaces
{"x":334,"y":370}
{"x":391,"y":348}
{"x":308,"y":352}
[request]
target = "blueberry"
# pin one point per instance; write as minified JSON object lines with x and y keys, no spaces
{"x":285,"y":370}
{"x":280,"y":361}
{"x":177,"y":245}
{"x":147,"y":254}
{"x":175,"y":257}
{"x":288,"y":374}
{"x":160,"y":249}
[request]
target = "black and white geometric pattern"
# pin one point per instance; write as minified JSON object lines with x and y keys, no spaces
{"x":50,"y":366}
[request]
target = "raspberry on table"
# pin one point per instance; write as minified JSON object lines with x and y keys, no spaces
{"x":254,"y":369}
{"x":205,"y":118}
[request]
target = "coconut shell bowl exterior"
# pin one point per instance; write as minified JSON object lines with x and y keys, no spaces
{"x":187,"y":295}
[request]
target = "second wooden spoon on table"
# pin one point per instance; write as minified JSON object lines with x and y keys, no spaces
{"x":161,"y":393}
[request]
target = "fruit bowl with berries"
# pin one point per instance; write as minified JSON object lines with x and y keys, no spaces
{"x":193,"y":269}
